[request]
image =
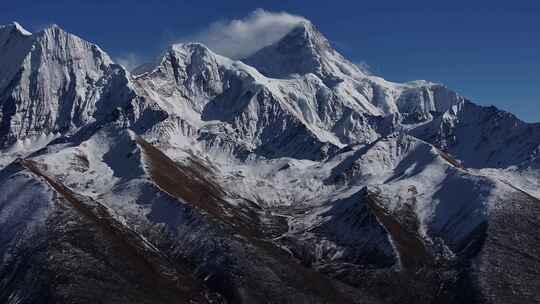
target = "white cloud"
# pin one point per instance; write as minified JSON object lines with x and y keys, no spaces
{"x":242,"y":37}
{"x":364,"y":67}
{"x":129,"y":61}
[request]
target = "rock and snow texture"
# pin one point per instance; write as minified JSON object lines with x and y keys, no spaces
{"x":483,"y":137}
{"x":54,"y":82}
{"x":290,"y":176}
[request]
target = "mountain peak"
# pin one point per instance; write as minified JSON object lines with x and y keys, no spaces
{"x":15,"y":27}
{"x":54,"y":38}
{"x":77,"y":83}
{"x":53,"y":27}
{"x":21,"y":29}
{"x":191,"y":47}
{"x":187,"y":53}
{"x":54,"y":30}
{"x":306,"y":32}
{"x":302,"y":51}
{"x":15,"y":43}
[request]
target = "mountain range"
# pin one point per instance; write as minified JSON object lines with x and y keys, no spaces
{"x":289,"y":176}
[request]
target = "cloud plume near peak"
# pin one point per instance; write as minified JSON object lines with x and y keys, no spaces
{"x":129,"y":60}
{"x":242,"y":37}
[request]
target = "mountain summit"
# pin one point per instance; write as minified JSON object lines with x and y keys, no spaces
{"x":290,"y":176}
{"x":303,"y":50}
{"x":53,"y":82}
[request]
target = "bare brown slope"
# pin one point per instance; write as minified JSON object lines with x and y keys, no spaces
{"x":138,"y":271}
{"x":410,"y":246}
{"x":191,"y":186}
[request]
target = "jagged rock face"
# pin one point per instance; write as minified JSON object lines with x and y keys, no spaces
{"x":16,"y":43}
{"x":190,"y":73}
{"x":420,"y":104}
{"x":55,"y":82}
{"x":483,"y":137}
{"x":289,"y":177}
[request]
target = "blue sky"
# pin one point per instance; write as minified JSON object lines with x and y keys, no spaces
{"x":488,"y":51}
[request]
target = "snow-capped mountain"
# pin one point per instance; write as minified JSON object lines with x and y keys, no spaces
{"x":56,"y":83}
{"x":291,"y":176}
{"x":483,"y":137}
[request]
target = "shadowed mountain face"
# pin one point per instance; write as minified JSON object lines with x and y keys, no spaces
{"x":291,"y":176}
